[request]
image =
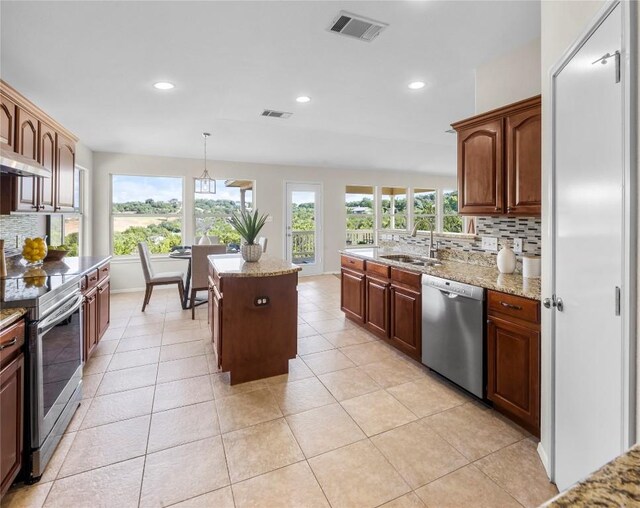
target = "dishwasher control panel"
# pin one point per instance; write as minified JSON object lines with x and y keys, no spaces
{"x":450,"y":286}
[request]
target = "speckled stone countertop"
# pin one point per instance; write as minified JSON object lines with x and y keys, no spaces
{"x":16,"y":267}
{"x":615,"y":484}
{"x":9,"y":316}
{"x":232,"y":265}
{"x":483,"y":276}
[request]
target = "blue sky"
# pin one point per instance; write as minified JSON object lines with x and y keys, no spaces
{"x":139,"y":188}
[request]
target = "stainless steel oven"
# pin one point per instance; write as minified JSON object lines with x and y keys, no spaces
{"x":55,"y":374}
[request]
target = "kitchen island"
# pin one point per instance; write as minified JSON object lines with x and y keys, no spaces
{"x":253,"y":315}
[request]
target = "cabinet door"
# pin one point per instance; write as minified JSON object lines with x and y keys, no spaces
{"x":47,"y":158}
{"x":352,"y":294}
{"x":524,"y":151}
{"x":406,"y":321}
{"x":8,"y":121}
{"x":11,"y":421}
{"x":480,"y":169}
{"x":90,"y":323}
{"x":65,"y":174}
{"x":377,"y":305}
{"x":513,"y":371}
{"x":103,"y":305}
{"x":216,"y":323}
{"x":27,"y":139}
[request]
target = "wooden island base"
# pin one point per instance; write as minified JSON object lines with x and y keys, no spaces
{"x":253,"y":316}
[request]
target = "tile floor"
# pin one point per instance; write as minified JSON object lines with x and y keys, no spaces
{"x":353,"y":424}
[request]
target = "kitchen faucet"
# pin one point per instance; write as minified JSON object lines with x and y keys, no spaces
{"x":433,"y":248}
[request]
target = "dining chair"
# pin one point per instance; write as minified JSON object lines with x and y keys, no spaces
{"x":262,"y":240}
{"x":200,"y":270}
{"x":152,"y":279}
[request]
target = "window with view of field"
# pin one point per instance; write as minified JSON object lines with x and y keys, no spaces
{"x":361,"y":215}
{"x":212,"y":211}
{"x":425,"y":209}
{"x":64,"y":231}
{"x":146,"y":209}
{"x":393,"y":203}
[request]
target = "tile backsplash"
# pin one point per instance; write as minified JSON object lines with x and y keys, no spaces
{"x":24,"y":225}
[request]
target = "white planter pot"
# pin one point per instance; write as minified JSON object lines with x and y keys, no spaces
{"x":506,"y":260}
{"x":251,"y":253}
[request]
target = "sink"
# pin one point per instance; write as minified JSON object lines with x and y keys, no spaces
{"x":416,"y":261}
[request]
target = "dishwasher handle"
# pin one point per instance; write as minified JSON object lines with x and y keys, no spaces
{"x":449,"y":294}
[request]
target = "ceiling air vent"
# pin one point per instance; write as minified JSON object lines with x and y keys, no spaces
{"x":356,"y":26}
{"x":275,"y":114}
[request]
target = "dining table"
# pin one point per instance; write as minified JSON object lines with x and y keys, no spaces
{"x":186,"y":255}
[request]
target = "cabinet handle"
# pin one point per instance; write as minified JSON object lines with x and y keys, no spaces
{"x":510,"y":306}
{"x":12,"y":342}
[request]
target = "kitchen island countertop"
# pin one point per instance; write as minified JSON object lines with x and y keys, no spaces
{"x":10,"y":316}
{"x":232,"y":265}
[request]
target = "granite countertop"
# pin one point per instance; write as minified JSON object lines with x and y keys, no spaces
{"x":483,"y":276}
{"x":10,"y":316}
{"x":615,"y":484}
{"x":232,"y":265}
{"x":16,"y":268}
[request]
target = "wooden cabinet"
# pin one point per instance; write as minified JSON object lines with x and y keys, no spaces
{"x":513,"y":358}
{"x":12,"y":376}
{"x":499,"y":161}
{"x":27,"y":145}
{"x":8,"y":122}
{"x":48,"y":160}
{"x":96,"y":288}
{"x":406,"y":321}
{"x":65,"y":174}
{"x":352,"y":294}
{"x":215,"y":320}
{"x":103,"y":306}
{"x":90,"y":311}
{"x":377,"y":306}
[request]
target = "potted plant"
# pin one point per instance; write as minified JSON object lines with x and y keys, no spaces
{"x":249,"y":225}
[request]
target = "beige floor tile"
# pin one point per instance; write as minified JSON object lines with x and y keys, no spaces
{"x":323,"y":429}
{"x":134,"y":358}
{"x":474,"y":431}
{"x":107,"y":444}
{"x":344,"y":338}
{"x":135,"y":343}
{"x":369,"y":352}
{"x":128,"y":379}
{"x":119,"y":406}
{"x":146,"y":319}
{"x":316,"y":315}
{"x":221,"y":498}
{"x":327,"y":361}
{"x":147,"y":329}
{"x":357,"y":475}
{"x":27,"y":496}
{"x":259,"y":449}
{"x":393,"y":371}
{"x":114,"y":333}
{"x":183,"y":425}
{"x":466,"y":487}
{"x":105,"y":347}
{"x":90,"y":385}
{"x":182,"y":393}
{"x":78,"y":416}
{"x":245,"y":409}
{"x":313,"y":344}
{"x":428,"y":396}
{"x":301,"y":395}
{"x":377,"y":412}
{"x":179,"y":336}
{"x":96,"y":365}
{"x":182,"y":368}
{"x":305,"y":330}
{"x":518,"y":469}
{"x":293,"y":486}
{"x":182,"y":350}
{"x":184,"y":472}
{"x":297,"y":370}
{"x":348,"y":383}
{"x":409,"y":500}
{"x":117,"y":322}
{"x":178,"y":315}
{"x":331,"y":325}
{"x":57,"y":459}
{"x":181,"y":325}
{"x":222,"y":388}
{"x":418,"y":453}
{"x":114,"y":485}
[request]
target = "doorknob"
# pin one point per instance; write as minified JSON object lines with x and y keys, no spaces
{"x":560,"y":304}
{"x":547,"y":303}
{"x":553,"y":302}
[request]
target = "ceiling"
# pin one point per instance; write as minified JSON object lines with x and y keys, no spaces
{"x":91,"y":66}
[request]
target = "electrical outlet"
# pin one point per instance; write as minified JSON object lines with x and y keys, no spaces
{"x":517,"y":245}
{"x":490,"y":243}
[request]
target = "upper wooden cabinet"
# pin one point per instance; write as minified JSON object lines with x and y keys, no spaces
{"x":26,"y":129}
{"x":499,"y":161}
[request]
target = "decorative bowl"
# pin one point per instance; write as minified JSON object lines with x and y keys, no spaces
{"x":55,"y":254}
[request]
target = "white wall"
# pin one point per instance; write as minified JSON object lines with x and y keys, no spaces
{"x":509,"y":78}
{"x":269,"y":198}
{"x":84,"y":159}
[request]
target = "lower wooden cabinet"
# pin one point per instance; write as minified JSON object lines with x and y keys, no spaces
{"x":104,"y":306}
{"x":513,"y":368}
{"x":215,"y":320}
{"x":352,"y":296}
{"x":377,"y":306}
{"x":90,"y":311}
{"x":405,"y":330}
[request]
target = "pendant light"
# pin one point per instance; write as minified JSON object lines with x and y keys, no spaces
{"x":204,"y":184}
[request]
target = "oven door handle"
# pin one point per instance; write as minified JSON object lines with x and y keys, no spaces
{"x":50,"y":321}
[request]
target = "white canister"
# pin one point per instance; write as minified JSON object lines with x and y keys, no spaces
{"x":531,"y":267}
{"x":506,"y":260}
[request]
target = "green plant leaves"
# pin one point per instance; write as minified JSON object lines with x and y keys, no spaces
{"x":248,"y":224}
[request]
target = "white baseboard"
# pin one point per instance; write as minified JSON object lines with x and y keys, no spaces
{"x":545,"y":460}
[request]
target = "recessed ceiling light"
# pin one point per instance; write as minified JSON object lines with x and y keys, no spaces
{"x":303,"y":99}
{"x":416,"y":85}
{"x":163,"y":85}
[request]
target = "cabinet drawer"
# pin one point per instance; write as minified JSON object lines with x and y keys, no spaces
{"x":103,"y":271}
{"x":352,"y":263}
{"x":378,"y":269}
{"x":11,"y":340}
{"x":515,"y":306}
{"x":92,"y":278}
{"x":409,"y":278}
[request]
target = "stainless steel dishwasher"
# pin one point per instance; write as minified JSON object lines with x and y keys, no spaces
{"x":452,"y":331}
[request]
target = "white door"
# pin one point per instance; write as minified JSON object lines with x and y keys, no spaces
{"x":588,"y":248}
{"x":303,"y":226}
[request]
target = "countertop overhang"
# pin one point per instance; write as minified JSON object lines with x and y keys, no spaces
{"x":486,"y":277}
{"x":232,"y":265}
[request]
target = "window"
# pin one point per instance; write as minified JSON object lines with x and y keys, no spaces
{"x":145,"y":208}
{"x":394,"y":208}
{"x":212,"y":211}
{"x":359,"y":204}
{"x":425,"y":208}
{"x":65,"y":229}
{"x":451,"y":221}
